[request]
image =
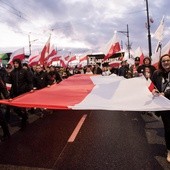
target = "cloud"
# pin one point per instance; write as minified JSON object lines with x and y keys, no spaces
{"x":81,"y":23}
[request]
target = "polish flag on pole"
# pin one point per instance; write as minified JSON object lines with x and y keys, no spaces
{"x":155,"y":59}
{"x":63,"y":62}
{"x":83,"y":59}
{"x":72,"y":58}
{"x":53,"y":58}
{"x":156,"y":55}
{"x":166,"y":49}
{"x":34,"y":58}
{"x":33,"y":55}
{"x":18,"y":54}
{"x":52,"y":53}
{"x":160,"y":30}
{"x":45,"y":51}
{"x":112,"y":47}
{"x":139,"y":53}
{"x":67,"y":57}
{"x":159,"y":35}
{"x":83,"y":56}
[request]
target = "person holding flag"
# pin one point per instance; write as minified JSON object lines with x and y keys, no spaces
{"x":161,"y":80}
{"x":21,"y":82}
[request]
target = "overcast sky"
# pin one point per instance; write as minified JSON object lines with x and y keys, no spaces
{"x":78,"y":24}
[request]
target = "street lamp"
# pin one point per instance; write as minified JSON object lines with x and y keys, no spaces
{"x":148,"y":27}
{"x":30,"y":43}
{"x":128,"y":42}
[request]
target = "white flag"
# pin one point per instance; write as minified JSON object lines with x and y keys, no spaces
{"x":166,"y":48}
{"x":139,"y":53}
{"x":159,"y":32}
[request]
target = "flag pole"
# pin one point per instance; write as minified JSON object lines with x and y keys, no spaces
{"x":128,"y":41}
{"x":128,"y":45}
{"x":160,"y":49}
{"x":148,"y":27}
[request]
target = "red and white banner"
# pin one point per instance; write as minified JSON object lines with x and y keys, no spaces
{"x":85,"y":92}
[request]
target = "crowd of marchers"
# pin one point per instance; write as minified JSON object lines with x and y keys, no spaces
{"x":18,"y":78}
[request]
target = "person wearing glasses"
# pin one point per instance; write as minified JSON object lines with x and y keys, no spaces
{"x":161,"y":80}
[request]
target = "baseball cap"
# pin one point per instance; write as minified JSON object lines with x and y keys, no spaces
{"x":137,"y":59}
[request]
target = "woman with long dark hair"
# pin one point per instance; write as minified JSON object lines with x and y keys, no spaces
{"x":161,"y":80}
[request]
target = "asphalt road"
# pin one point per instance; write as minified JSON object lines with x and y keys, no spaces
{"x":86,"y":140}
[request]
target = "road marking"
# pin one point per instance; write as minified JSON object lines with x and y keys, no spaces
{"x":76,"y":130}
{"x":13,"y":167}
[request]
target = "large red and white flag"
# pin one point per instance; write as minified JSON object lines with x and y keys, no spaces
{"x":85,"y":92}
{"x":18,"y":54}
{"x":45,"y":52}
{"x":112,"y":47}
{"x":139,"y":53}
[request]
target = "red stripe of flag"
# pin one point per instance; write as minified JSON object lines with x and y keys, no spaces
{"x":59,"y":96}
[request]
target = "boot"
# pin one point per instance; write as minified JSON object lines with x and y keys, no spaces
{"x":24,"y":121}
{"x":6,"y":133}
{"x":168,"y":156}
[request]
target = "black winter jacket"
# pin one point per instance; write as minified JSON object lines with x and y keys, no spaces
{"x":157,"y":77}
{"x":21,"y":82}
